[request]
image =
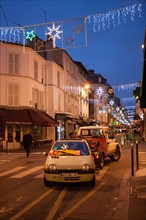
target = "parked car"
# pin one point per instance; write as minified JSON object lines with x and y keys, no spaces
{"x":69,"y":161}
{"x":102,"y":143}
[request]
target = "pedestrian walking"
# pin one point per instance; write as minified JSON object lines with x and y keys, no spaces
{"x":27,"y":141}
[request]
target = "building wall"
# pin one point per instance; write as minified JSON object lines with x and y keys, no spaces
{"x":24,"y":79}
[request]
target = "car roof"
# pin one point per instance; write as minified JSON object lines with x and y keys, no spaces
{"x":94,"y":127}
{"x":71,"y":140}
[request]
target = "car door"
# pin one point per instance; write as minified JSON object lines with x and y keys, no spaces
{"x":110,"y":141}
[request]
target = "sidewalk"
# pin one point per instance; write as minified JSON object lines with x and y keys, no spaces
{"x":137,"y":197}
{"x":33,"y":150}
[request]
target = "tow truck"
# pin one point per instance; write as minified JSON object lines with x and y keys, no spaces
{"x":102,"y":143}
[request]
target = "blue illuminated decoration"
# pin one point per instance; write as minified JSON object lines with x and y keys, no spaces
{"x":30,"y":35}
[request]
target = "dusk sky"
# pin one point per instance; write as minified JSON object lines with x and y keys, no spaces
{"x":114,"y":52}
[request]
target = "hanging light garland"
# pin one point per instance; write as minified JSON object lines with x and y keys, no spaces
{"x":73,"y":29}
{"x":103,"y":21}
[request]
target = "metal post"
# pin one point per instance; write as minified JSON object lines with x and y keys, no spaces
{"x":132,"y":159}
{"x":137,"y":159}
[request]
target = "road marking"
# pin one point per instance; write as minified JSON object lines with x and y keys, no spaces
{"x":84,"y":199}
{"x":27,"y":172}
{"x":56,"y":205}
{"x":4,"y":209}
{"x":10,"y":171}
{"x":27,"y":208}
{"x":101,"y":173}
{"x":41,"y":175}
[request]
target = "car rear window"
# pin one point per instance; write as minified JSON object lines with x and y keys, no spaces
{"x":71,"y":148}
{"x":92,"y":132}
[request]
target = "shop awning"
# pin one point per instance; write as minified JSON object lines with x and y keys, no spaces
{"x":27,"y":116}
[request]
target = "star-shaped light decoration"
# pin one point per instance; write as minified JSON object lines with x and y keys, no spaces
{"x":110,"y":91}
{"x":77,"y":28}
{"x":100,"y":92}
{"x":69,"y":40}
{"x":30,"y":35}
{"x":54,"y":33}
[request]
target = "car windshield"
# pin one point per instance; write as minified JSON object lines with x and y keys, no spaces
{"x":70,"y":148}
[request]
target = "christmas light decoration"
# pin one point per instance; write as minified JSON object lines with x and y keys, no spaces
{"x":99,"y":91}
{"x":54,"y":33}
{"x":129,"y":87}
{"x":103,"y":21}
{"x":111,"y":102}
{"x":110,"y":91}
{"x":74,"y":31}
{"x":117,"y":109}
{"x":12,"y":34}
{"x":106,"y":95}
{"x":30,"y":35}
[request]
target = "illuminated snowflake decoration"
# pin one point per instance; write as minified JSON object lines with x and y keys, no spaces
{"x":117,"y":109}
{"x":54,"y":33}
{"x":99,"y":91}
{"x":30,"y":35}
{"x":106,"y":95}
{"x":111,"y":102}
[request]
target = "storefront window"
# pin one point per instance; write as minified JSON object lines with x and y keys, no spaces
{"x":37,"y":132}
{"x":10,"y":133}
{"x":17,"y":138}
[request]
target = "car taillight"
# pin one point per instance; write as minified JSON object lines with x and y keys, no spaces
{"x":96,"y":155}
{"x":51,"y":153}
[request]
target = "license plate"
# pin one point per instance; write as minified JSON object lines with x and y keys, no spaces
{"x":69,"y":174}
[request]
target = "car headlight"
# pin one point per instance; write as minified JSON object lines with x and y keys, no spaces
{"x":52,"y":167}
{"x":86,"y":167}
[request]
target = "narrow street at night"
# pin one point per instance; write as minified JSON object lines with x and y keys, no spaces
{"x":24,"y":196}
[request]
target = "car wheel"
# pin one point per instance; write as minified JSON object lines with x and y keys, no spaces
{"x":116,"y":156}
{"x":46,"y":182}
{"x":92,"y":182}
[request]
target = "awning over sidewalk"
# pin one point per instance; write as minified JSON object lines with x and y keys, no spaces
{"x":27,"y":116}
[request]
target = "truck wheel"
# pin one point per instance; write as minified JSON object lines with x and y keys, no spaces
{"x":116,"y":156}
{"x":101,"y":161}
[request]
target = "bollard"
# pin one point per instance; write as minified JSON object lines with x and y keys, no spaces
{"x":132,"y":160}
{"x":137,"y":159}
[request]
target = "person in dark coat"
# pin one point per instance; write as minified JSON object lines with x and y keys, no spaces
{"x":27,"y":141}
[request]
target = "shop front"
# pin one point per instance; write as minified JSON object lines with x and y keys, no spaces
{"x":16,"y":121}
{"x":67,"y":124}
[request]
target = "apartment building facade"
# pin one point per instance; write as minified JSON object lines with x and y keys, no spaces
{"x":53,"y":93}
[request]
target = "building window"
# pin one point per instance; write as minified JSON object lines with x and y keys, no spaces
{"x":59,"y":102}
{"x":13,"y":95}
{"x":13,"y":63}
{"x":35,"y":70}
{"x":37,"y":99}
{"x":58,"y":78}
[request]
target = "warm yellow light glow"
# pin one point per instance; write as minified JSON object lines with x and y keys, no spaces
{"x":87,"y":86}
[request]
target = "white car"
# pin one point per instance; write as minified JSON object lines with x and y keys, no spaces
{"x":69,"y":161}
